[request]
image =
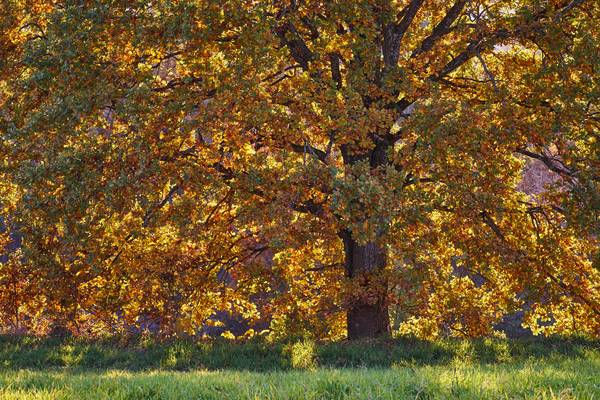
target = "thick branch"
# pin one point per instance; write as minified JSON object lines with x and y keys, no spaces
{"x":473,"y":48}
{"x":393,"y":33}
{"x":336,"y":75}
{"x":307,"y":148}
{"x":290,"y":38}
{"x":442,"y":28}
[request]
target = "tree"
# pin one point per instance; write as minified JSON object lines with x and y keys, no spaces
{"x":153,"y":146}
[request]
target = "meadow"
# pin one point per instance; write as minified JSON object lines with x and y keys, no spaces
{"x":142,"y":368}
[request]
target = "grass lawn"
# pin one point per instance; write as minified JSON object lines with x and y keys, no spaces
{"x":402,"y":369}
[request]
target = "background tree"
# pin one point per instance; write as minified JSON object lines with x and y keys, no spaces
{"x":372,"y":148}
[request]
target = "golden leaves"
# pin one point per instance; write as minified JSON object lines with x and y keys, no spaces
{"x":168,"y":163}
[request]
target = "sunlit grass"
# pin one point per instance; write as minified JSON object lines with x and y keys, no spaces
{"x":549,"y":369}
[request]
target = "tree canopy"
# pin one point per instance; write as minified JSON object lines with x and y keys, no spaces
{"x":318,"y":165}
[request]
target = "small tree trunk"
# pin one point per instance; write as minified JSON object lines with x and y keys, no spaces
{"x":367,"y":316}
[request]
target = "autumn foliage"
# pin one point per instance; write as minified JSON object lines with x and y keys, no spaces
{"x":310,"y":167}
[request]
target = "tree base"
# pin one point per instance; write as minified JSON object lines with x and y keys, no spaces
{"x":368,"y":321}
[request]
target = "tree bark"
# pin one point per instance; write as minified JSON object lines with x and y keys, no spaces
{"x":367,"y":316}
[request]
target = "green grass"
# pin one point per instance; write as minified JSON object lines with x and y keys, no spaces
{"x":33,"y":368}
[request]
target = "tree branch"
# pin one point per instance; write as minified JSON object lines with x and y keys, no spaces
{"x":476,"y":46}
{"x":290,"y":38}
{"x":489,"y":221}
{"x":393,"y":33}
{"x":336,"y":75}
{"x":550,"y":162}
{"x":441,"y":29}
{"x":302,"y":149}
{"x":566,"y":9}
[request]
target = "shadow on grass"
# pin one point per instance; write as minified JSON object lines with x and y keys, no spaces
{"x":32,"y":353}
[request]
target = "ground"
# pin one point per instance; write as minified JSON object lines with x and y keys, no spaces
{"x":402,"y":369}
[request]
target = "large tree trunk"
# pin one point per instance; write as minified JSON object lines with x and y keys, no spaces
{"x":367,"y":315}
